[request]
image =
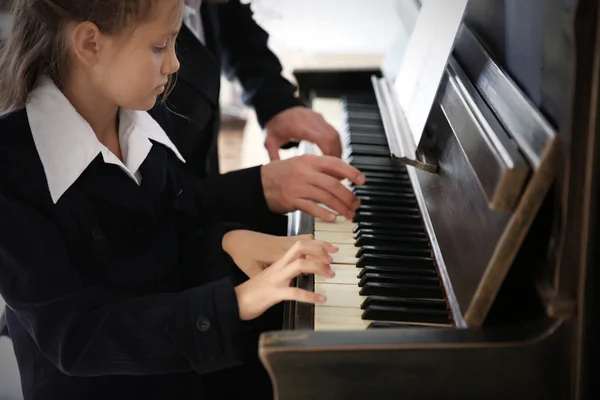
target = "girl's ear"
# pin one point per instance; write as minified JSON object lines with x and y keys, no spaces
{"x":86,"y":42}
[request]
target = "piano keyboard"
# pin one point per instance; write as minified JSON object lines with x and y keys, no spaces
{"x":385,"y":272}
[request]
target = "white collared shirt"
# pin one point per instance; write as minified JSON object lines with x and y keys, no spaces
{"x":66,"y":143}
{"x":193,"y":19}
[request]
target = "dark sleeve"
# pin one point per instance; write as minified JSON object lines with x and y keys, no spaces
{"x":238,"y":197}
{"x":86,"y":330}
{"x":247,"y":57}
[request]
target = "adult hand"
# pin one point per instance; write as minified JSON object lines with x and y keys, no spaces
{"x":301,"y":123}
{"x":298,"y":182}
{"x":272,"y":285}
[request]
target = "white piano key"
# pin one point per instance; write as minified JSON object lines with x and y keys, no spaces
{"x":341,"y":224}
{"x":340,"y":295}
{"x":345,"y":255}
{"x":345,"y":319}
{"x":345,"y":274}
{"x":335,"y":237}
{"x":339,"y":318}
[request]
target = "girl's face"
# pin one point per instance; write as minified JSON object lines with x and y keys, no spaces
{"x":132,"y":69}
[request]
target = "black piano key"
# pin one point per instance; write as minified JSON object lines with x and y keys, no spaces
{"x":426,"y":304}
{"x":393,"y":250}
{"x":401,"y":290}
{"x":369,"y":140}
{"x":394,"y":260}
{"x":387,"y":227}
{"x":370,"y":277}
{"x":366,"y":129}
{"x":391,"y":200}
{"x":375,"y":161}
{"x":388,"y":181}
{"x":391,"y":240}
{"x":359,"y":192}
{"x":369,"y":150}
{"x":400,"y":173}
{"x":387,"y":217}
{"x":398,"y":208}
{"x":387,"y":313}
{"x":375,"y":190}
{"x":362,"y":115}
{"x":372,"y":228}
{"x":370,"y":232}
{"x":420,"y":271}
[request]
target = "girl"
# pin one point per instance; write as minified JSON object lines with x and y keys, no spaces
{"x":105,"y":273}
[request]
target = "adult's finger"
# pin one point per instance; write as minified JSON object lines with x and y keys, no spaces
{"x":326,"y":184}
{"x":272,"y":145}
{"x":311,"y":208}
{"x":338,"y":168}
{"x":328,"y":197}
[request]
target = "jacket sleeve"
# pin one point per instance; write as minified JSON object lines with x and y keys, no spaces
{"x":238,"y":197}
{"x":247,"y":57}
{"x":87,"y":330}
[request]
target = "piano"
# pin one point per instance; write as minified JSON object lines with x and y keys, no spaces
{"x":470,"y":273}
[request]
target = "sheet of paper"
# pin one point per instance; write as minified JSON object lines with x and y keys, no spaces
{"x":425,"y":59}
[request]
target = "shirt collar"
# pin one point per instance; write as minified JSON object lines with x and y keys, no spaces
{"x":194,"y":4}
{"x":66,"y":143}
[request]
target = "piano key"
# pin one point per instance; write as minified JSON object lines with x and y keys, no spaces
{"x":386,"y":260}
{"x":369,"y":150}
{"x":344,"y":274}
{"x":388,"y":200}
{"x":427,"y":304}
{"x":387,"y":208}
{"x":345,"y":255}
{"x":375,"y":161}
{"x":341,"y":224}
{"x":387,"y":181}
{"x":399,"y":250}
{"x":387,"y":217}
{"x":368,"y":140}
{"x":399,"y":239}
{"x":334,"y":237}
{"x":387,"y":313}
{"x":374,"y":189}
{"x":340,"y":295}
{"x":351,"y":319}
{"x":432,"y":272}
{"x":408,"y":290}
{"x":400,"y":174}
{"x":360,"y":192}
{"x":404,"y":279}
{"x":388,"y":226}
{"x":339,"y":318}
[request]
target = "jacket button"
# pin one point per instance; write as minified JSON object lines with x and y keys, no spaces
{"x":203,"y":324}
{"x":97,"y":234}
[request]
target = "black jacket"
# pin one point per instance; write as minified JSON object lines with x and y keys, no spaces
{"x":116,"y":291}
{"x":236,"y":45}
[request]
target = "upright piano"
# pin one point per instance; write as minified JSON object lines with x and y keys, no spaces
{"x":471,"y":273}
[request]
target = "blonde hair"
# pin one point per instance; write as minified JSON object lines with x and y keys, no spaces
{"x":37,"y":44}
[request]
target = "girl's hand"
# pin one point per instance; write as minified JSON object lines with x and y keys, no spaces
{"x":272,"y":285}
{"x":253,"y":251}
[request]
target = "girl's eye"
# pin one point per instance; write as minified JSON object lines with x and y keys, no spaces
{"x":160,"y":49}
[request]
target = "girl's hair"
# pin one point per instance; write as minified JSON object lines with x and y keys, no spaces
{"x":37,"y":44}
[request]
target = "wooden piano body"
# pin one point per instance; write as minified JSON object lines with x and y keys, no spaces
{"x":511,"y":232}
